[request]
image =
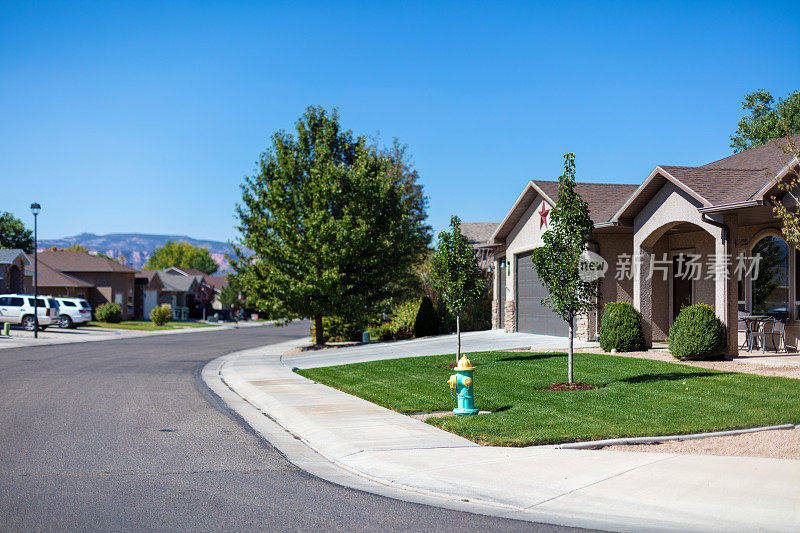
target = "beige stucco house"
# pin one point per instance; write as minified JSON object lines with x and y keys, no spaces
{"x":685,"y":235}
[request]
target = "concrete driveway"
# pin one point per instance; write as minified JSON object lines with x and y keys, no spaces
{"x":474,"y":341}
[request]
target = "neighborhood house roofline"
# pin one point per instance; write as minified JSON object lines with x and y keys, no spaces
{"x":602,"y":199}
{"x":71,"y":261}
{"x":649,"y":188}
{"x":759,"y":195}
{"x":50,"y":277}
{"x":9,"y":255}
{"x":515,"y":213}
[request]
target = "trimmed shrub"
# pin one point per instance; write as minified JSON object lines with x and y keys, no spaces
{"x":621,"y":328}
{"x":427,"y":320}
{"x":161,"y":314}
{"x":108,"y":312}
{"x":339,"y":329}
{"x":696,"y":333}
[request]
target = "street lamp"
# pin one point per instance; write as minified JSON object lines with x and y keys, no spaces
{"x":35,"y":208}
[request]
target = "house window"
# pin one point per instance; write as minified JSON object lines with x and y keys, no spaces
{"x":770,"y":289}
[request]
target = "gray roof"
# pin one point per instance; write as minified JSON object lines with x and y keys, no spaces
{"x":478,"y":232}
{"x":177,"y":282}
{"x":8,"y":255}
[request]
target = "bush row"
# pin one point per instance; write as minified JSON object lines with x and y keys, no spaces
{"x":696,"y":332}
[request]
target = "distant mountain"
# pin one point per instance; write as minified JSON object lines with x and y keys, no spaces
{"x":135,"y":248}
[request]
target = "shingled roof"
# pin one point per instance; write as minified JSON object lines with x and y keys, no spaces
{"x":771,"y":157}
{"x":70,"y":261}
{"x":478,"y":233}
{"x":603,"y":198}
{"x":721,"y":186}
{"x":50,"y":277}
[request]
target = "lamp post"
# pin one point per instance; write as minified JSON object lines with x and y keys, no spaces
{"x":35,"y":208}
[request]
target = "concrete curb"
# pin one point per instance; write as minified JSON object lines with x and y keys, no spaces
{"x":625,"y":491}
{"x":596,"y":444}
{"x":301,"y":454}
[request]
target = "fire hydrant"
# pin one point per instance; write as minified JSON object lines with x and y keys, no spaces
{"x":461,"y":382}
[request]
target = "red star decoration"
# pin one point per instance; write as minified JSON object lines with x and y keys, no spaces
{"x":543,"y":216}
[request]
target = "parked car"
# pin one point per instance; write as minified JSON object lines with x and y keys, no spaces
{"x":73,"y":312}
{"x":18,"y":309}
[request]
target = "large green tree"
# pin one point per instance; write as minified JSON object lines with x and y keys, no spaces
{"x":182,"y":255}
{"x":558,"y":262}
{"x":13,"y":234}
{"x":331,"y":227}
{"x":766,"y":119}
{"x":455,"y":273}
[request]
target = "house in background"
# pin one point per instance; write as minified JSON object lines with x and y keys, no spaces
{"x":147,"y":287}
{"x":478,"y":235}
{"x":218,"y":282}
{"x":105,"y":279}
{"x":55,"y":283}
{"x":649,"y":235}
{"x":173,"y":286}
{"x":12,"y":270}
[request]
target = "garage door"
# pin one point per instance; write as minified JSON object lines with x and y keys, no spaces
{"x":532,"y":317}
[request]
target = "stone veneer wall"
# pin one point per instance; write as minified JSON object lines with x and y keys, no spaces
{"x":510,"y":317}
{"x":582,"y":327}
{"x":495,"y":314}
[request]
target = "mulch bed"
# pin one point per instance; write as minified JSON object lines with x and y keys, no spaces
{"x":570,"y":386}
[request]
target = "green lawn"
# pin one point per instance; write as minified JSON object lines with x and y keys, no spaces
{"x":637,"y":397}
{"x":146,"y":325}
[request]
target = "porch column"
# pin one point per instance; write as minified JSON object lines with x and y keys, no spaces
{"x":726,"y":290}
{"x":643,"y":289}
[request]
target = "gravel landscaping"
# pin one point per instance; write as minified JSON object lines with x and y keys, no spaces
{"x":778,"y":444}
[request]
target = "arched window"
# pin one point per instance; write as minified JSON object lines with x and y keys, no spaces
{"x":770,"y":288}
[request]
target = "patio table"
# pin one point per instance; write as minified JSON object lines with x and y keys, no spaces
{"x":752,"y":323}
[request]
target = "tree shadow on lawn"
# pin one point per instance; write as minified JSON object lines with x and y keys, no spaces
{"x":669,"y":376}
{"x":533,"y":357}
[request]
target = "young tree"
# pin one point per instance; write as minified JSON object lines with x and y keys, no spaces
{"x":456,"y":275}
{"x":766,"y":120}
{"x":330,"y":230}
{"x":204,"y":294}
{"x":13,"y":234}
{"x":558,"y":261}
{"x":182,"y":255}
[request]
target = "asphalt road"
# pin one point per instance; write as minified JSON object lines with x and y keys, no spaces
{"x":124,"y":435}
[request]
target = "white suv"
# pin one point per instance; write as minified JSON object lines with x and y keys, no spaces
{"x":18,"y":309}
{"x":73,"y":312}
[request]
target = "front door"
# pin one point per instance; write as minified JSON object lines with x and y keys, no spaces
{"x":681,"y":287}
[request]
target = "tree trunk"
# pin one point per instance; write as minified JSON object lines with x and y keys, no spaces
{"x":569,"y":350}
{"x":458,"y":334}
{"x":204,"y":313}
{"x":319,"y":334}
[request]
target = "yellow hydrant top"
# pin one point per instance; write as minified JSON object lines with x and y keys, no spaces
{"x":464,"y":364}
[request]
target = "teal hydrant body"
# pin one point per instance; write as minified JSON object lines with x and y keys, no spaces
{"x":463,"y":384}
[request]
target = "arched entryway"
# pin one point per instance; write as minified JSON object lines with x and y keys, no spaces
{"x":678,"y":265}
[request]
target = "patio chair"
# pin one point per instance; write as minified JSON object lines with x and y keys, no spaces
{"x":779,"y":332}
{"x":742,"y":328}
{"x":760,"y":333}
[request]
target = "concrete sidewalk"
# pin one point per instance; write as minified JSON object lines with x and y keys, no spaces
{"x":366,"y":446}
{"x":473,"y":341}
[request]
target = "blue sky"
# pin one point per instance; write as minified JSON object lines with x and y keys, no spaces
{"x":141,"y":117}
